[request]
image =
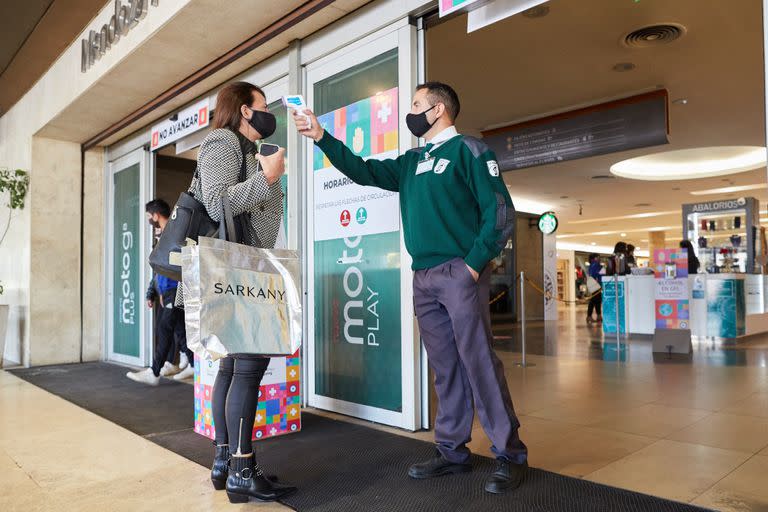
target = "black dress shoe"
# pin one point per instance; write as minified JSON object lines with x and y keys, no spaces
{"x":507,"y":477}
{"x":220,"y":469}
{"x":246,"y":481}
{"x":437,"y":466}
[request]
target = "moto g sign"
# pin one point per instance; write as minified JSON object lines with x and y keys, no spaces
{"x":126,"y":17}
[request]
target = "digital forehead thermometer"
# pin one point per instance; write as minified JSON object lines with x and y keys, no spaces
{"x":296,"y":102}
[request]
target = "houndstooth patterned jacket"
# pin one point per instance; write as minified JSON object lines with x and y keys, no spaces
{"x":218,"y":164}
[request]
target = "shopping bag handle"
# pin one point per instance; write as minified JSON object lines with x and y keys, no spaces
{"x":227,"y":229}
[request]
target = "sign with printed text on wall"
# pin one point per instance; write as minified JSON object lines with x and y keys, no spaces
{"x":191,"y":119}
{"x":357,"y":263}
{"x":126,"y":15}
{"x":670,"y":268}
{"x":369,"y":127}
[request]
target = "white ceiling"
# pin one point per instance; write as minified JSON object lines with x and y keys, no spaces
{"x":523,"y":67}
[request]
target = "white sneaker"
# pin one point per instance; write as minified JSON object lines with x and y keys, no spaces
{"x":169,"y":369}
{"x":183,"y":361}
{"x":186,"y":373}
{"x":144,"y":376}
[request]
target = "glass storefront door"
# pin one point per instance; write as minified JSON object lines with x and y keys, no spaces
{"x":363,"y":359}
{"x":129,"y":323}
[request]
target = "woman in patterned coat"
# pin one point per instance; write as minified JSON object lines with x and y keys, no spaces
{"x":241,"y":118}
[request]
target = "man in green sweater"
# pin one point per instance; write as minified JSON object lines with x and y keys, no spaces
{"x":457,"y":216}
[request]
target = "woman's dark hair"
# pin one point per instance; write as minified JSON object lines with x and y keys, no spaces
{"x":593,"y":257}
{"x":228,"y":102}
{"x":686,"y":244}
{"x":620,"y":248}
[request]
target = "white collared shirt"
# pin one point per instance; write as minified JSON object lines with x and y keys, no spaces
{"x":446,"y":134}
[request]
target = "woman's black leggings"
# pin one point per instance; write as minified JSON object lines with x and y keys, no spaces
{"x":235,"y":395}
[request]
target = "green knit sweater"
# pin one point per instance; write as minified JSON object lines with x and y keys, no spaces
{"x":454,"y":204}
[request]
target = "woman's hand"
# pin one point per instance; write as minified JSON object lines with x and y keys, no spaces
{"x":308,"y":127}
{"x":273,"y":165}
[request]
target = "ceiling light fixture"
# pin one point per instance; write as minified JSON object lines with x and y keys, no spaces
{"x":631,"y":216}
{"x":729,"y":190}
{"x":623,"y":67}
{"x":609,"y":233}
{"x":693,"y":163}
{"x":523,"y":204}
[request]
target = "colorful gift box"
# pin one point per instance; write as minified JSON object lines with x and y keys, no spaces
{"x":279,"y":408}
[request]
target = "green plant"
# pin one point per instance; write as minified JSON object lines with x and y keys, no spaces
{"x":16,"y":183}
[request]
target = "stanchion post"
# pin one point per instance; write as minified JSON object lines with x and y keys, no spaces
{"x":523,"y":363}
{"x":616,"y":301}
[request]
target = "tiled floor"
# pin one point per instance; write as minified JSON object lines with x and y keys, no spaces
{"x":56,"y":456}
{"x":694,"y":430}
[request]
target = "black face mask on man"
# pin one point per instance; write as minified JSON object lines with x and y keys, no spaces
{"x":418,"y":123}
{"x":263,"y":122}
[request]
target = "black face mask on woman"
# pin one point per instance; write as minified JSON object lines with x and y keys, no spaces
{"x":263,"y":122}
{"x":418,"y":123}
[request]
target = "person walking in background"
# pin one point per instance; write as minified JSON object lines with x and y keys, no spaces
{"x":693,"y":261}
{"x":619,"y":259}
{"x":170,"y":326}
{"x":581,"y":279}
{"x":596,"y":301}
{"x":631,"y":262}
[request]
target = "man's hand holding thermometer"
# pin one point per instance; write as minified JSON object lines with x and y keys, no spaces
{"x":306,"y":122}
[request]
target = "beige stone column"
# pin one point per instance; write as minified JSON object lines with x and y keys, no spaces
{"x":656,"y":240}
{"x":94,"y":236}
{"x":54,"y":303}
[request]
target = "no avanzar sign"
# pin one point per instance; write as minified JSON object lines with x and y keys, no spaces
{"x":189,"y":120}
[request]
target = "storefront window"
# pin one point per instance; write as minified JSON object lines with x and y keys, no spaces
{"x":357,"y":243}
{"x":128,"y":293}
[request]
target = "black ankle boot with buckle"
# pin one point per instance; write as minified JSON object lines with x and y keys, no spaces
{"x":246,"y":480}
{"x":220,"y":468}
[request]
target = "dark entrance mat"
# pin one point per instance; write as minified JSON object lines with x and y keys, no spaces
{"x":338,"y":466}
{"x":104,"y":389}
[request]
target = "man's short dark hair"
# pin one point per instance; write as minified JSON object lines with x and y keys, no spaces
{"x":438,"y":92}
{"x":159,"y":207}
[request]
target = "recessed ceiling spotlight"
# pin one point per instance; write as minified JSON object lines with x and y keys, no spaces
{"x":623,"y":235}
{"x":729,"y":190}
{"x":642,"y":205}
{"x":593,"y":243}
{"x":622,"y":67}
{"x":680,"y":101}
{"x":536,"y":12}
{"x":692,"y":163}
